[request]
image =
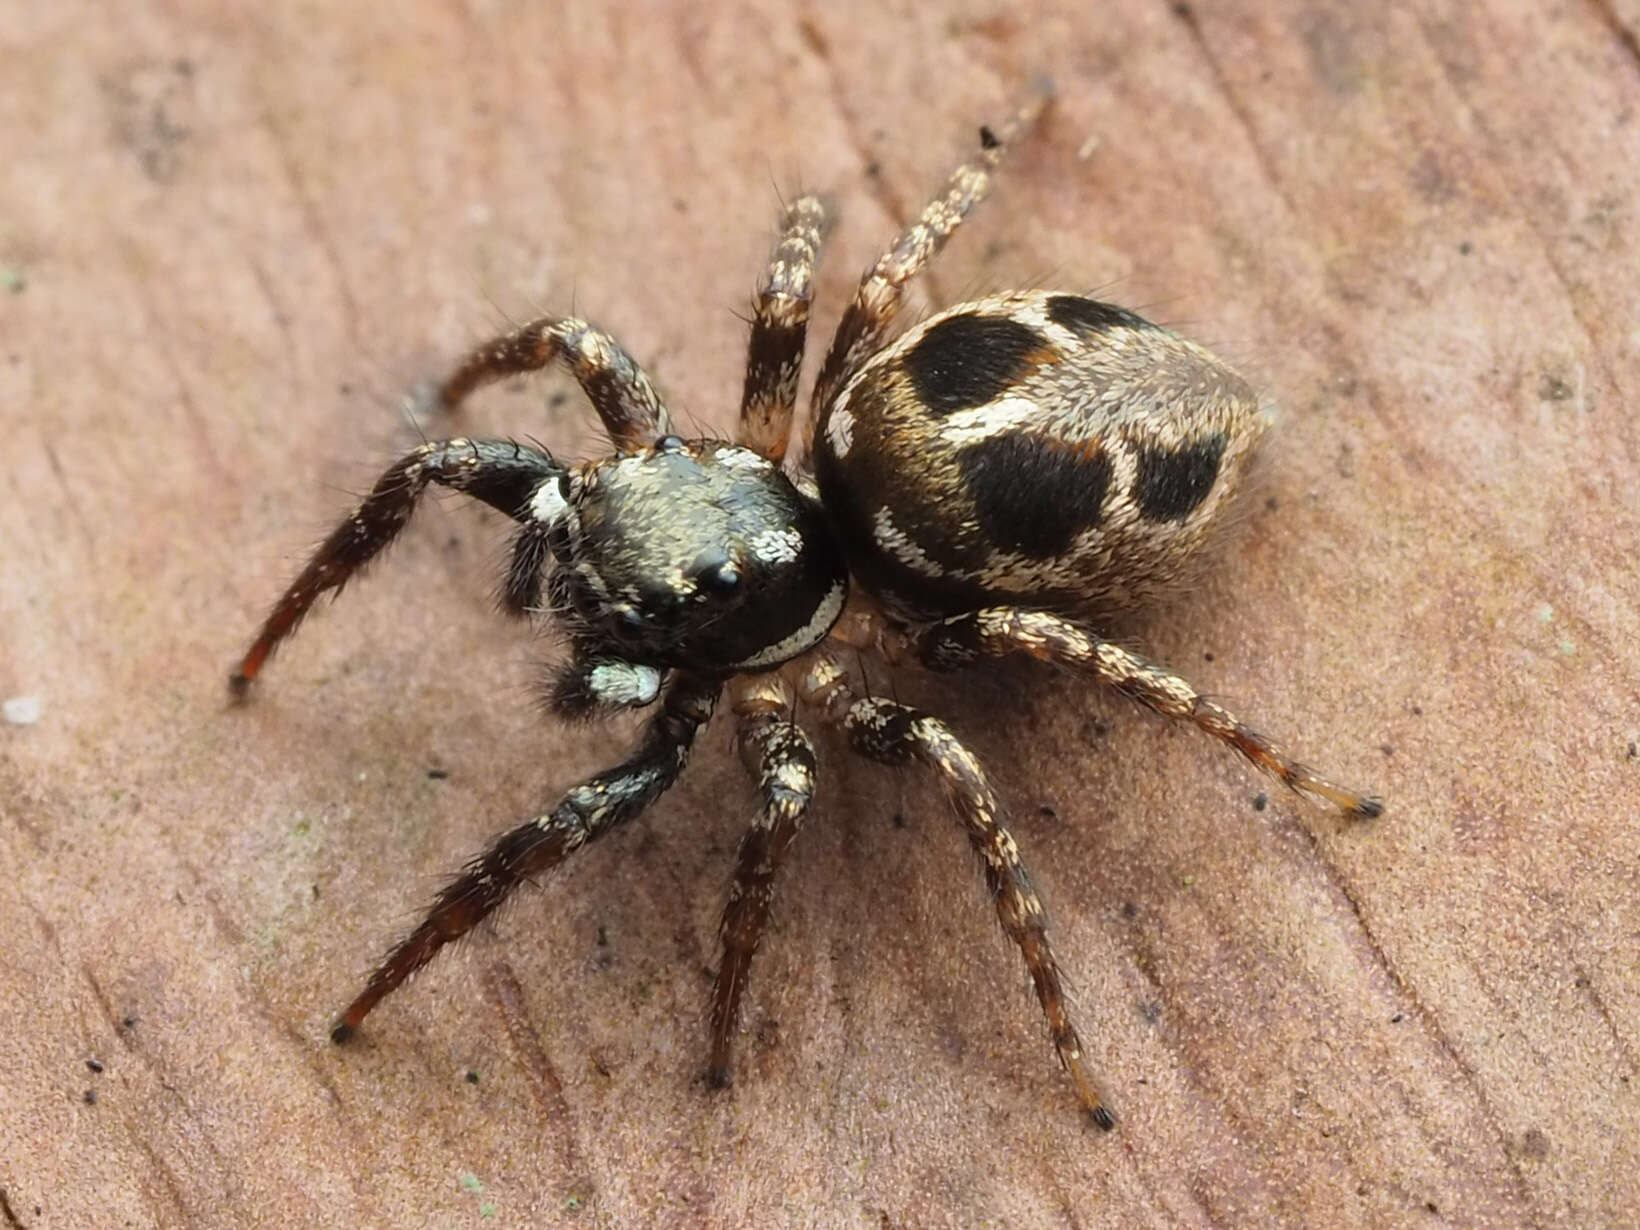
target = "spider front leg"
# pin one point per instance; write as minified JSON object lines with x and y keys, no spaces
{"x":780,"y":756}
{"x":867,"y":319}
{"x":502,"y":473}
{"x":895,"y":734}
{"x":999,"y":631}
{"x":627,"y":403}
{"x":775,"y":355}
{"x":537,"y":846}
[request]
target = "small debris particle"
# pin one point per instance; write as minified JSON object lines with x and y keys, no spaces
{"x":1554,"y":388}
{"x":1129,"y":910}
{"x":1187,"y":880}
{"x":469,"y":1181}
{"x":1047,"y":813}
{"x":472,"y":1077}
{"x":94,"y":1064}
{"x":1260,"y":801}
{"x":900,"y":821}
{"x":1465,"y":248}
{"x":128,"y":1022}
{"x":1387,"y":749}
{"x":486,"y":1209}
{"x":1207,"y":655}
{"x":1088,"y":148}
{"x":573,"y":1201}
{"x":14,"y":280}
{"x":1634,"y":751}
{"x":22,"y":710}
{"x":437,"y":775}
{"x":1398,"y":1018}
{"x":90,"y":1097}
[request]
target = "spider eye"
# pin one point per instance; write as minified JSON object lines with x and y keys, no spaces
{"x":717,"y":576}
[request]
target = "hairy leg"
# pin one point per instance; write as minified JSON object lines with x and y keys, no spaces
{"x":537,"y":846}
{"x":774,"y":356}
{"x":617,"y":387}
{"x":866,"y":322}
{"x":896,"y":734}
{"x":998,"y":631}
{"x":502,"y":473}
{"x":779,"y":755}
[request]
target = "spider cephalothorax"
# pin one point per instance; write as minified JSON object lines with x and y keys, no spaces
{"x":1000,"y":479}
{"x":699,"y":555}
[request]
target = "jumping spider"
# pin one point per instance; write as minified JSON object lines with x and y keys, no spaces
{"x":1000,"y":479}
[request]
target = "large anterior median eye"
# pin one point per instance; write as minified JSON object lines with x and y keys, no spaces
{"x":717,"y":575}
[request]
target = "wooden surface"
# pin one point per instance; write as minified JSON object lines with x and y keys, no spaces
{"x":232,"y":241}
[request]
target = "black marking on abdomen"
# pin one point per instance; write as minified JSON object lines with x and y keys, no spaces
{"x":1089,"y":316}
{"x":1173,"y":482}
{"x":968,"y":360}
{"x":1032,"y":495}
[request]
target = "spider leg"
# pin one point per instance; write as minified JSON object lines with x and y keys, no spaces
{"x":537,"y":846}
{"x":627,"y":403}
{"x":998,"y":631}
{"x":774,"y":356}
{"x":895,"y":734}
{"x":501,"y":473}
{"x":780,"y":756}
{"x":867,"y":320}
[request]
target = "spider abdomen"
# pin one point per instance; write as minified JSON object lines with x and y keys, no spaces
{"x":1035,"y":449}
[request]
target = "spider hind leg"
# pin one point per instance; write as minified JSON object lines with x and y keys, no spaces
{"x":774,"y":355}
{"x":896,"y":734}
{"x":998,"y":631}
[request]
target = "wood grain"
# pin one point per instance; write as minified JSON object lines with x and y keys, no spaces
{"x":232,"y":239}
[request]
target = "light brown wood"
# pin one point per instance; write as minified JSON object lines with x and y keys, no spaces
{"x":231,"y":240}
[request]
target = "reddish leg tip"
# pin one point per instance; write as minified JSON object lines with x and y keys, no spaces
{"x":239,"y":684}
